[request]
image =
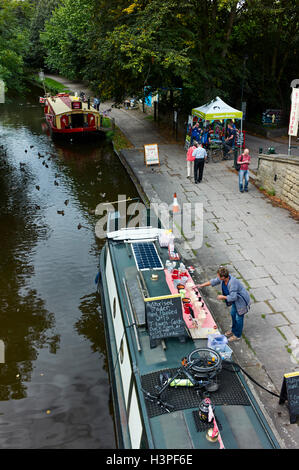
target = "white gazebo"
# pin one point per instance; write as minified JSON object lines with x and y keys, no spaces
{"x":217,"y":109}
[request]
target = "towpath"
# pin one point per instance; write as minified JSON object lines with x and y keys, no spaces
{"x":257,"y":241}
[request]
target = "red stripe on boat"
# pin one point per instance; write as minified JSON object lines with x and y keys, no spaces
{"x":66,"y":100}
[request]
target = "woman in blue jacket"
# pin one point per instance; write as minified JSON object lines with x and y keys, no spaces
{"x":236,"y":296}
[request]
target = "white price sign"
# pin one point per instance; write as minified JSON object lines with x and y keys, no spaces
{"x":151,"y":154}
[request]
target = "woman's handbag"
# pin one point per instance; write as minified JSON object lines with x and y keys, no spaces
{"x":247,"y":304}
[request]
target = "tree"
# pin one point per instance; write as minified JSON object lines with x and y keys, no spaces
{"x":172,"y":44}
{"x":197,"y":46}
{"x":269,"y":35}
{"x":42,"y":12}
{"x":145,"y":47}
{"x":65,"y":37}
{"x":14,"y":21}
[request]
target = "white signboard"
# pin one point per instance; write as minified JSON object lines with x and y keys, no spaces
{"x":151,"y":154}
{"x":294,"y":115}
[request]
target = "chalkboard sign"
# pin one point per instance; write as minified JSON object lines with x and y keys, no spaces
{"x":151,"y":154}
{"x":164,"y":318}
{"x":290,"y":392}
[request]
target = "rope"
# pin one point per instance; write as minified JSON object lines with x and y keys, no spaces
{"x":250,"y":378}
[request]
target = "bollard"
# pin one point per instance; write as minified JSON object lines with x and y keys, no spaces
{"x":236,"y":157}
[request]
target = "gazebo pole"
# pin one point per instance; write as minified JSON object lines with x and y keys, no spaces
{"x":241,"y":134}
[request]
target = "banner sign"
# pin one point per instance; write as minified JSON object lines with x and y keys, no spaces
{"x":294,"y":115}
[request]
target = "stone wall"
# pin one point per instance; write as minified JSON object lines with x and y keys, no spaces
{"x":279,"y":174}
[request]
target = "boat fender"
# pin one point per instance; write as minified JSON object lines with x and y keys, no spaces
{"x":180,"y":383}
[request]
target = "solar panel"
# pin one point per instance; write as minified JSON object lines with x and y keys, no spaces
{"x":146,"y":256}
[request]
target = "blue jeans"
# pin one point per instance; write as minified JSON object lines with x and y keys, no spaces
{"x":237,"y":321}
{"x":243,"y":174}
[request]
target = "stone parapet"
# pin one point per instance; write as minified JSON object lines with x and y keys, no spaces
{"x":279,"y":174}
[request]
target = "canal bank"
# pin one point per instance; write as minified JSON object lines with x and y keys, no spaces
{"x":254,"y":239}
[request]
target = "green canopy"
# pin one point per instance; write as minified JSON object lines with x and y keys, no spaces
{"x":216,"y":109}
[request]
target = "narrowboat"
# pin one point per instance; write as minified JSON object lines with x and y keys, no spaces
{"x":68,"y":115}
{"x":170,"y":388}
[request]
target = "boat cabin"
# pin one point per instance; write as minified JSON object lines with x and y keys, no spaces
{"x":67,"y":114}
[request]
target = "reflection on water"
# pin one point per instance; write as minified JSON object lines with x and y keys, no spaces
{"x":54,"y":387}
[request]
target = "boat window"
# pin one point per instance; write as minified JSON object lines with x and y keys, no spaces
{"x":121,"y":351}
{"x":114,"y":307}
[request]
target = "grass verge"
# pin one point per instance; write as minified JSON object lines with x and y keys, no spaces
{"x":120,"y":141}
{"x":52,"y":86}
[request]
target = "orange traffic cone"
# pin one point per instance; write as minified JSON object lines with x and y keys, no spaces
{"x":175,"y":206}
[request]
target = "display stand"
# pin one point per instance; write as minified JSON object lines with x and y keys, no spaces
{"x":208,"y":327}
{"x":151,"y":154}
{"x":290,"y":392}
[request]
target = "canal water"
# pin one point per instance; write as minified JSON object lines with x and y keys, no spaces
{"x":54,"y":384}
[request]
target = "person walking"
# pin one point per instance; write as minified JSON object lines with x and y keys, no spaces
{"x":235,"y":295}
{"x":190,"y":158}
{"x":244,"y":162}
{"x":200,"y":155}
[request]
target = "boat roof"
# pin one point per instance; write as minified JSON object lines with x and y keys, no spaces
{"x":62,"y":104}
{"x":240,"y":421}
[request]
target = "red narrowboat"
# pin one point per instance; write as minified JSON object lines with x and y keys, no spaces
{"x":67,"y":114}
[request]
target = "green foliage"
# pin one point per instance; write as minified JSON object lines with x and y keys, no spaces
{"x":188,"y":50}
{"x":42,"y":13}
{"x":65,"y":37}
{"x":14,"y":21}
{"x":142,"y":49}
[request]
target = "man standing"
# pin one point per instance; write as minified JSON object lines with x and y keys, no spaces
{"x":244,"y":162}
{"x":200,"y":155}
{"x":230,"y":140}
{"x":235,"y":295}
{"x":195,"y":133}
{"x":206,"y":139}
